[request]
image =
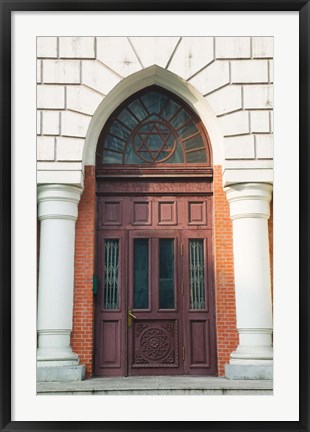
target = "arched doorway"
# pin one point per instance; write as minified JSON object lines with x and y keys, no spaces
{"x":155,"y":312}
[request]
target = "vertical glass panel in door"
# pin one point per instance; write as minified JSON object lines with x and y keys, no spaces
{"x":141,"y":273}
{"x":166,"y":274}
{"x":111,"y":267}
{"x":197,"y":278}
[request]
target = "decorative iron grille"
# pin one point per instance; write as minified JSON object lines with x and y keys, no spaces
{"x":197,"y":277}
{"x":111,"y":272}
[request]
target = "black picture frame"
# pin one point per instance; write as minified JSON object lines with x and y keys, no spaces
{"x":7,"y":7}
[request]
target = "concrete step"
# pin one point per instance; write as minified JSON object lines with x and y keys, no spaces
{"x":162,"y":385}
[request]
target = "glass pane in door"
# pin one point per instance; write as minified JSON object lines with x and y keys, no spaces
{"x":197,"y":278}
{"x":166,"y":274}
{"x":141,"y":273}
{"x":111,"y":266}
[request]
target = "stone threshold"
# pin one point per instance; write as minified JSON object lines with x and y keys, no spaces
{"x":161,"y":385}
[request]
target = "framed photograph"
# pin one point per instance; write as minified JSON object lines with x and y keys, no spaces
{"x":155,"y":181}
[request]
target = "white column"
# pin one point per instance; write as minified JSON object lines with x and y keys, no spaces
{"x":57,"y":211}
{"x":249,"y":211}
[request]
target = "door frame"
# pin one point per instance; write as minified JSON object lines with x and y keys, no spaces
{"x":140,"y":190}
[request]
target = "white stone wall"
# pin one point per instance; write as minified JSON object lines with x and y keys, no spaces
{"x":233,"y":74}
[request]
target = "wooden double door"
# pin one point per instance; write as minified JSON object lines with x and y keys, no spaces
{"x":155,"y":311}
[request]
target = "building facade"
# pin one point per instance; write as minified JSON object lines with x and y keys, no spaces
{"x":155,"y":159}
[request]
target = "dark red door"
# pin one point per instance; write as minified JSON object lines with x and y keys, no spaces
{"x":111,"y":325}
{"x":198,"y":303}
{"x":155,"y":330}
{"x":155,"y":311}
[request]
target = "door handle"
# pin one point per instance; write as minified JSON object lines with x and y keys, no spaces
{"x":130,"y":317}
{"x":131,"y":314}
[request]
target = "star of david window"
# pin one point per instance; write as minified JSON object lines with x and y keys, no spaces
{"x":151,"y":128}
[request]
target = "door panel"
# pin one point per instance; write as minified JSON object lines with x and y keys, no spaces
{"x":110,"y":340}
{"x":154,"y":344}
{"x":199,"y":350}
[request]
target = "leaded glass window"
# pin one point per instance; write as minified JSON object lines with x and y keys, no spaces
{"x":153,"y":127}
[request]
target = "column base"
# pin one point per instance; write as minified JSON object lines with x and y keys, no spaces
{"x":60,"y":373}
{"x":57,"y":356}
{"x":248,"y":372}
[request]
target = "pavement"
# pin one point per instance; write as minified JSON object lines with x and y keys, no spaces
{"x":161,"y":385}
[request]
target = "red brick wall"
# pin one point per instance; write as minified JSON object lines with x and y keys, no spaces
{"x":227,"y":335}
{"x":83,"y":310}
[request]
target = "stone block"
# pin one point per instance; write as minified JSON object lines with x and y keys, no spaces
{"x":249,"y":372}
{"x":235,"y":124}
{"x":251,"y":175}
{"x":271,"y":71}
{"x":77,"y":47}
{"x":117,"y":54}
{"x":74,"y":178}
{"x":247,"y":164}
{"x":191,"y":55}
{"x":96,"y":76}
{"x":239,"y":147}
{"x":260,"y":121}
{"x":226,"y":100}
{"x":82,"y":99}
{"x":69,"y":149}
{"x":262,"y":47}
{"x":213,"y":77}
{"x":74,"y":124}
{"x":47,"y":46}
{"x":249,"y":71}
{"x":232,"y":47}
{"x":271,"y":121}
{"x":69,"y":166}
{"x":45,"y":148}
{"x":58,"y":374}
{"x":154,"y":50}
{"x":258,"y":97}
{"x":38,"y":122}
{"x":50,"y":123}
{"x":61,"y":71}
{"x":50,"y":97}
{"x":39,"y":74}
{"x":264,"y":146}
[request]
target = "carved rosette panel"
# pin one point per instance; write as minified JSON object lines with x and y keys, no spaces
{"x":155,"y":344}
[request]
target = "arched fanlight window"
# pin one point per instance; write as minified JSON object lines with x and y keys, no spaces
{"x":153,"y":128}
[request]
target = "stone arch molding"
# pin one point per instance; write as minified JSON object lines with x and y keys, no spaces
{"x":153,"y":75}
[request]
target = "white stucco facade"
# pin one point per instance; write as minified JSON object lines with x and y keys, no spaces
{"x":228,"y":82}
